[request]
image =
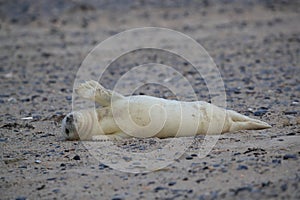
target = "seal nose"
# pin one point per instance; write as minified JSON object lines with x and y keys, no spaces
{"x":69,"y":118}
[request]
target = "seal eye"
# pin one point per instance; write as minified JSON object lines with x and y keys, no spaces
{"x":67,"y":131}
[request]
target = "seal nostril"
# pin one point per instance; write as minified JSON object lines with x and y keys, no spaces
{"x":67,"y":131}
{"x":69,"y":119}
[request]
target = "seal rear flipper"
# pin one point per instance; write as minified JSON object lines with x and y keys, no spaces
{"x":242,"y":122}
{"x":93,"y":91}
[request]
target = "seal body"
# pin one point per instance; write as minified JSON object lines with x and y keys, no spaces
{"x":146,"y":116}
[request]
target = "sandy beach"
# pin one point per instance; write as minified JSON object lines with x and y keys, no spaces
{"x":255,"y":46}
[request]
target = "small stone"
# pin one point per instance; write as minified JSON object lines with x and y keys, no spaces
{"x":290,"y":156}
{"x":276,"y":161}
{"x":290,"y":112}
{"x":56,"y":190}
{"x":127,"y":159}
{"x":37,"y":161}
{"x":200,"y":180}
{"x":12,"y":100}
{"x":77,"y":157}
{"x":159,"y":188}
{"x":284,"y":187}
{"x":40,"y":188}
{"x":86,"y":187}
{"x":69,"y":98}
{"x":117,"y":197}
{"x":51,"y":179}
{"x":102,"y":166}
{"x":242,"y":167}
{"x":21,"y":198}
{"x":260,"y":112}
{"x":189,"y":158}
{"x":172,"y":183}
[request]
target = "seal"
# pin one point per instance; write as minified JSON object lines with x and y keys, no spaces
{"x":145,"y":116}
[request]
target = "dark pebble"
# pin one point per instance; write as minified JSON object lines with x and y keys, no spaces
{"x":127,"y":159}
{"x":200,"y":180}
{"x":266,"y":184}
{"x":159,"y":188}
{"x":260,"y":112}
{"x":51,"y":179}
{"x":151,"y":182}
{"x":290,"y":156}
{"x":284,"y":187}
{"x":21,"y":198}
{"x":242,"y":167}
{"x":86,"y":187}
{"x":117,"y":197}
{"x":276,"y":161}
{"x":36,"y":117}
{"x":46,"y":55}
{"x":77,"y":157}
{"x":56,"y":190}
{"x":42,"y":187}
{"x":290,"y":112}
{"x":172,"y":183}
{"x":69,"y":98}
{"x":189,"y":158}
{"x":241,"y":189}
{"x":216,"y":165}
{"x":102,"y":166}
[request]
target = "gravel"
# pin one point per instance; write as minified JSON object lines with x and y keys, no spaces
{"x":255,"y":45}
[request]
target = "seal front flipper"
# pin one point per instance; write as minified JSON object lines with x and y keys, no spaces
{"x":114,"y":136}
{"x":93,"y":91}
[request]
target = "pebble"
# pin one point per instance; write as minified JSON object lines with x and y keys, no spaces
{"x":159,"y":188}
{"x":260,"y":112}
{"x":276,"y":161}
{"x":117,"y":197}
{"x":77,"y":157}
{"x":242,"y":167}
{"x":41,"y":187}
{"x":290,"y":112}
{"x":236,"y":191}
{"x":69,"y":98}
{"x":102,"y":166}
{"x":51,"y":179}
{"x":56,"y":190}
{"x":12,"y":100}
{"x":294,"y":103}
{"x":284,"y":187}
{"x":290,"y":156}
{"x":172,"y":183}
{"x":21,"y":198}
{"x":189,"y":158}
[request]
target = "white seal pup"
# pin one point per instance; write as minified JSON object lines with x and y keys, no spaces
{"x":144,"y":116}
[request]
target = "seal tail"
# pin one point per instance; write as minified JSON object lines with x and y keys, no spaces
{"x":242,"y":122}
